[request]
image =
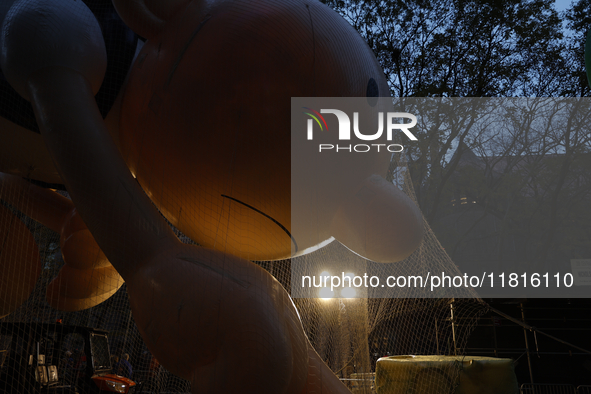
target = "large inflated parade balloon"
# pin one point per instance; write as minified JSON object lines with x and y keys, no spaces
{"x":205,"y":122}
{"x":204,"y":136}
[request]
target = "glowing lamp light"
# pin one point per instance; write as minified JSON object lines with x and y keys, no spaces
{"x":348,"y":292}
{"x":326,"y":293}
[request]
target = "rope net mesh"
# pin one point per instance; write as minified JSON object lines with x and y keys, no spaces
{"x":349,"y":334}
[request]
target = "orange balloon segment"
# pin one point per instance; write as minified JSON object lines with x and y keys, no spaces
{"x":79,"y":249}
{"x":78,"y":289}
{"x":205,"y":123}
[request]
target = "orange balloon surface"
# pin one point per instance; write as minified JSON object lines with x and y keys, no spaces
{"x":78,"y":289}
{"x":205,"y":122}
{"x":87,"y":278}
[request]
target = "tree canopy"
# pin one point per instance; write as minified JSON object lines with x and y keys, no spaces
{"x":523,"y":188}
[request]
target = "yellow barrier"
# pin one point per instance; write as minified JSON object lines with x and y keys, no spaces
{"x":445,"y":374}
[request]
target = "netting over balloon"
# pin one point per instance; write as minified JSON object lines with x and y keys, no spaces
{"x":349,"y":334}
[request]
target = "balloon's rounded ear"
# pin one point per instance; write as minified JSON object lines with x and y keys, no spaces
{"x":38,"y":34}
{"x":148,"y":17}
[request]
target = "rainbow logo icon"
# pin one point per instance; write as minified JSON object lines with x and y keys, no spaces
{"x":316,"y":118}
